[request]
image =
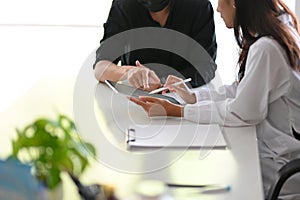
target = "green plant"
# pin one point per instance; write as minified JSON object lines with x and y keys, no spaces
{"x":52,"y":146}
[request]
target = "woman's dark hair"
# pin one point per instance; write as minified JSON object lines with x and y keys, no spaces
{"x":258,"y":18}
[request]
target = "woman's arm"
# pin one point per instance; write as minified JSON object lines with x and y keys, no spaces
{"x":266,"y":78}
{"x":203,"y":93}
{"x":224,"y":92}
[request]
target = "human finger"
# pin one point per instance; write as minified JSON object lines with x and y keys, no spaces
{"x":134,"y":81}
{"x":145,"y":79}
{"x":144,"y":73}
{"x":137,"y":101}
{"x":153,"y":77}
{"x":138,"y":64}
{"x":171,"y":80}
{"x":180,"y":87}
{"x":136,"y":77}
{"x":151,"y":99}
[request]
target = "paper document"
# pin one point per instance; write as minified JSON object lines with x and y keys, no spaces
{"x":182,"y":135}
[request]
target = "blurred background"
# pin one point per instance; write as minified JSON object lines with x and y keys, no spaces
{"x":43,"y":45}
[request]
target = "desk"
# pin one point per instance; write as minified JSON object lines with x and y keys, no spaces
{"x":101,"y":118}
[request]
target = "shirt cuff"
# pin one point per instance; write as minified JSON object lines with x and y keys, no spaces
{"x":204,"y":112}
{"x":191,"y":113}
{"x":202,"y":94}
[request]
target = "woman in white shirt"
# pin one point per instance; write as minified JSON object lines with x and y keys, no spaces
{"x":267,"y":93}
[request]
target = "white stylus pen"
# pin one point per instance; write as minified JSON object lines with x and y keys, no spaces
{"x":111,"y":87}
{"x":163,"y":88}
{"x":215,"y":189}
{"x":203,"y":189}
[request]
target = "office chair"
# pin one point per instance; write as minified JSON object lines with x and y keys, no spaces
{"x":284,"y":174}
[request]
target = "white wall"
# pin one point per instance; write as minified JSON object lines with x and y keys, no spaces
{"x":298,"y":9}
{"x":85,"y":12}
{"x":227,"y":55}
{"x":43,"y":45}
{"x":291,"y":4}
{"x":45,"y":39}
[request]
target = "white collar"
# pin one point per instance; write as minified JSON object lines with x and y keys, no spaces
{"x":296,"y":74}
{"x":285,"y":18}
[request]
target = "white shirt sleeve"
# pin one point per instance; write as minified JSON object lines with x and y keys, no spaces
{"x":224,"y":92}
{"x":267,"y":70}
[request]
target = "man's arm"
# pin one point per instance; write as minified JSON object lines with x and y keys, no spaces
{"x":138,"y":76}
{"x":105,"y":67}
{"x":107,"y":70}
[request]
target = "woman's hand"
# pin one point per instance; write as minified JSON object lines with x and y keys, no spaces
{"x":143,"y":78}
{"x":158,"y":107}
{"x":182,"y":89}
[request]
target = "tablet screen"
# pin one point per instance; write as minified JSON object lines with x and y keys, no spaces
{"x":134,"y":92}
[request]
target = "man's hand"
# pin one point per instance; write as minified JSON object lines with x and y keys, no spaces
{"x":143,"y":78}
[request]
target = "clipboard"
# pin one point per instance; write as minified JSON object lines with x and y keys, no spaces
{"x":179,"y":136}
{"x":135,"y":92}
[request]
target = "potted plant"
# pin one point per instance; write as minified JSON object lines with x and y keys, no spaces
{"x":52,"y":146}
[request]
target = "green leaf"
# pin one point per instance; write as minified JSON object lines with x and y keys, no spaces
{"x":53,"y":178}
{"x":52,"y":146}
{"x":91,"y":149}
